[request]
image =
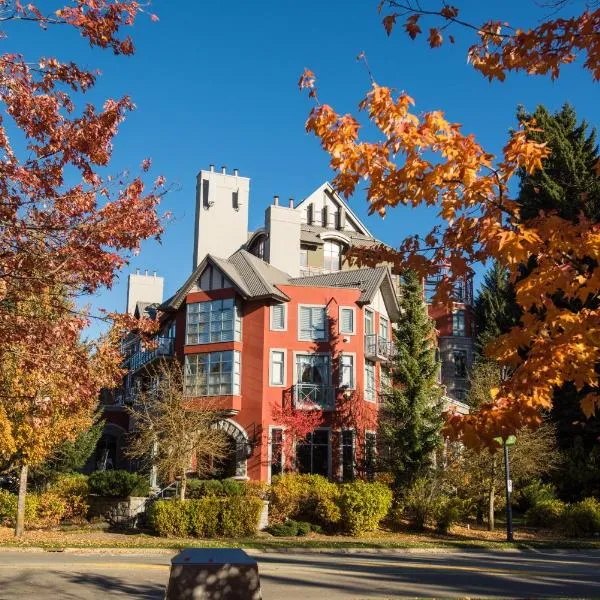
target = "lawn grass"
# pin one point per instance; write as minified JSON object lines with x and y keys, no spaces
{"x":94,"y":538}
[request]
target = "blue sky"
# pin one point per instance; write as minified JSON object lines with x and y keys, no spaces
{"x":215,"y":82}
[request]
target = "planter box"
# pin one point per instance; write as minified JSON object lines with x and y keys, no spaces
{"x":124,"y":512}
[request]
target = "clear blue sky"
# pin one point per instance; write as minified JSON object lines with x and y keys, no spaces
{"x":215,"y":82}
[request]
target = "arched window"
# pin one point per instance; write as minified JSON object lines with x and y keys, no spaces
{"x":332,"y":256}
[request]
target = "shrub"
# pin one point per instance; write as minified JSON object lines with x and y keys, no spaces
{"x":446,"y":512}
{"x":287,"y":529}
{"x":170,"y":518}
{"x":363,"y":505}
{"x":256,"y":489}
{"x":288,"y":493}
{"x":233,"y":487}
{"x":8,"y":508}
{"x":204,"y":516}
{"x":419,"y":503}
{"x":240,"y":516}
{"x":199,"y":488}
{"x":73,"y":489}
{"x":50,"y":509}
{"x":581,"y":519}
{"x":546,"y":513}
{"x":118,"y":484}
{"x":304,"y":528}
{"x":322,"y":504}
{"x":535,"y":493}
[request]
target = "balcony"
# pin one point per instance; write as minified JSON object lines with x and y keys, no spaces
{"x":378,"y":348}
{"x":313,"y":395}
{"x":125,"y":396}
{"x":163,"y":346}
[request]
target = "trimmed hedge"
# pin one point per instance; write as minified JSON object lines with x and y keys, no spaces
{"x":118,"y":484}
{"x":201,"y":488}
{"x":290,"y":528}
{"x":211,"y":516}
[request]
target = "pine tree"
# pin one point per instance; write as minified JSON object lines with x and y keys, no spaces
{"x":569,"y":182}
{"x":411,"y":416}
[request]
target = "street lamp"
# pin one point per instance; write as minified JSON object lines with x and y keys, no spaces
{"x":505,"y":443}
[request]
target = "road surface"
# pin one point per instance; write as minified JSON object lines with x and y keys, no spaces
{"x":333,"y":575}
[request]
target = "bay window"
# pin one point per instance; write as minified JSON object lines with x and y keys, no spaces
{"x":213,"y":321}
{"x":213,"y":374}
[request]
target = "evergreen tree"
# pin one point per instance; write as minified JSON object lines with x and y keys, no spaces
{"x":569,"y":182}
{"x":496,"y":309}
{"x":411,"y":416}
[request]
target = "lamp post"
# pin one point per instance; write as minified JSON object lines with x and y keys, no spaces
{"x":505,"y":443}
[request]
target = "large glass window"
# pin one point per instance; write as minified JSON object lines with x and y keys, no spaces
{"x":212,"y":373}
{"x":458,"y":322}
{"x":369,"y":380}
{"x":332,"y":256}
{"x":369,"y":325}
{"x":312,"y":454}
{"x":370,"y":454}
{"x":213,"y":321}
{"x":312,"y":323}
{"x":347,"y":440}
{"x":383,"y":328}
{"x":460,"y":363}
{"x":313,"y":380}
{"x":276,"y":452}
{"x":277,"y":367}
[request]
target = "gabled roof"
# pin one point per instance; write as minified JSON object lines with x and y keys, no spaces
{"x":326,"y":186}
{"x":368,"y":281}
{"x":251,"y":277}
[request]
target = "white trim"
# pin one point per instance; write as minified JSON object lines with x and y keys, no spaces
{"x":353,"y":309}
{"x":326,"y":323}
{"x":284,"y":352}
{"x":372,"y":312}
{"x":335,"y":235}
{"x":329,"y":449}
{"x":270,"y":450}
{"x":285,"y":316}
{"x":374,"y":399}
{"x":308,"y":353}
{"x":353,"y":355}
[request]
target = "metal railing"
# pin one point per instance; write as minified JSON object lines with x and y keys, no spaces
{"x":163,"y":346}
{"x":313,"y":395}
{"x":379,"y":348}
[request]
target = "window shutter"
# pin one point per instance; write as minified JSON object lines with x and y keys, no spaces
{"x":278,"y":316}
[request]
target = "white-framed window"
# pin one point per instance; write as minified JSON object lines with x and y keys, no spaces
{"x":347,"y":320}
{"x":213,"y":321}
{"x":332,"y":256}
{"x":277,"y":367}
{"x":347,"y":372}
{"x":369,"y":381}
{"x":458,"y":322}
{"x":383,"y":328}
{"x":278,"y":317}
{"x":303,"y":257}
{"x":312,"y":322}
{"x":212,"y":373}
{"x":312,"y":380}
{"x":347,"y":444}
{"x":369,"y":322}
{"x":276,"y":458}
{"x":313,"y":453}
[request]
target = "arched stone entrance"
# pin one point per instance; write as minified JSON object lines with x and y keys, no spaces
{"x":109,"y":449}
{"x":235,"y":465}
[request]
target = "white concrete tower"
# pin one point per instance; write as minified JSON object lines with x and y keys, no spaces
{"x":221,"y":225}
{"x":142,"y":287}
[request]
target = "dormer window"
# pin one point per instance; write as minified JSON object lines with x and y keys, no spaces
{"x":332,"y":256}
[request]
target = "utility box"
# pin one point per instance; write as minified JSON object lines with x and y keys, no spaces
{"x":213,"y":574}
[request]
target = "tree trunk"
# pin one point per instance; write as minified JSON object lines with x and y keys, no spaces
{"x":20,"y":526}
{"x":182,"y":486}
{"x":492,"y":497}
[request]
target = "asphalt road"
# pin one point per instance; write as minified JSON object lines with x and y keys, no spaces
{"x":306,"y":575}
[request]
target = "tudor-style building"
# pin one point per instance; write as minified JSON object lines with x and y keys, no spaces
{"x":279,"y":316}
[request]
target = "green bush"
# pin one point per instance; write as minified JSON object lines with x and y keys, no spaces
{"x":303,"y":528}
{"x":204,"y":516}
{"x":73,"y":489}
{"x":287,"y":529}
{"x":546,"y":513}
{"x":256,"y":489}
{"x":363,"y":505}
{"x":200,"y":488}
{"x":419,"y":503}
{"x":8,"y":508}
{"x":41,"y":510}
{"x":287,"y":495}
{"x":118,"y":484}
{"x":170,"y":518}
{"x":535,"y":493}
{"x":446,"y":512}
{"x":240,"y":516}
{"x":233,"y":487}
{"x":581,"y":519}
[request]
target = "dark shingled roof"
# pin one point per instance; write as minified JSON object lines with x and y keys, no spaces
{"x":368,"y":281}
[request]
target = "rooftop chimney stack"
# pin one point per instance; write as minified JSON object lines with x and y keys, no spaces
{"x":143,"y":288}
{"x":291,"y":203}
{"x":276,"y":200}
{"x":235,"y":172}
{"x":212,"y":168}
{"x":224,"y":170}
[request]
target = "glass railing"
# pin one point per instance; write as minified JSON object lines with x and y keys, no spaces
{"x":162,"y":346}
{"x":379,"y":348}
{"x":313,"y":395}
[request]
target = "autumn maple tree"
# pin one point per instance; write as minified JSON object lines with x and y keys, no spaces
{"x":426,"y":159}
{"x":65,"y":229}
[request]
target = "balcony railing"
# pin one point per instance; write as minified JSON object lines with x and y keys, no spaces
{"x":125,"y":396}
{"x":163,"y":346}
{"x":313,"y":395}
{"x":379,"y":348}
